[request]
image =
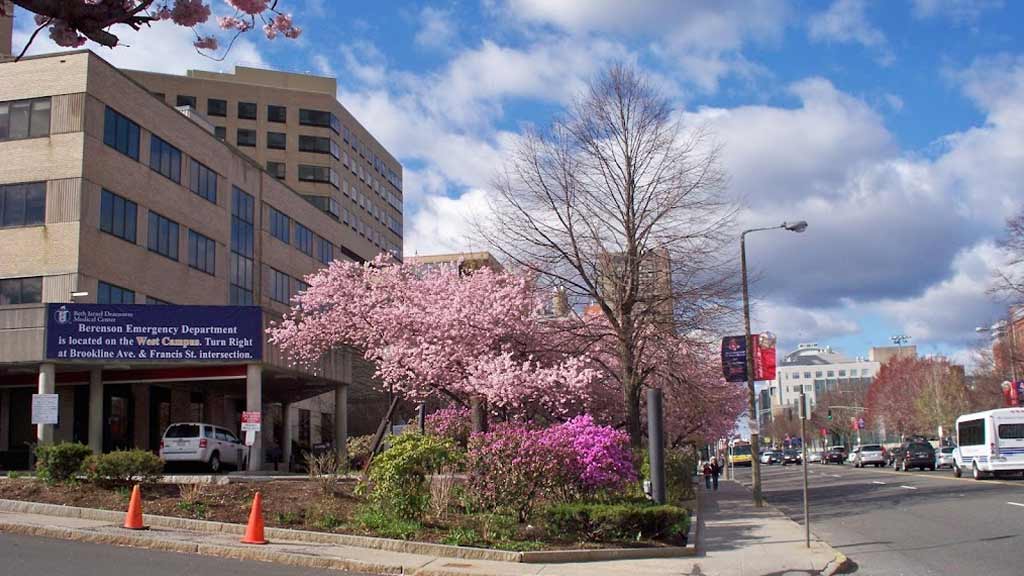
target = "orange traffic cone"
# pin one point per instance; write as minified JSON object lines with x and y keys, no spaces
{"x":133,"y":519}
{"x":254,"y":531}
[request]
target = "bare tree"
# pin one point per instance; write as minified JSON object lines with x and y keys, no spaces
{"x":1010,"y":280}
{"x":623,"y":207}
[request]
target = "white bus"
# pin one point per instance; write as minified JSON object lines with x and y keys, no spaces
{"x":989,"y":442}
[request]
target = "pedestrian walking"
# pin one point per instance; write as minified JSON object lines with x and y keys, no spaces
{"x":716,"y":469}
{"x":708,"y":471}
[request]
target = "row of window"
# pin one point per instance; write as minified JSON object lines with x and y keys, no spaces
{"x":283,"y":287}
{"x":22,"y":204}
{"x":30,"y":291}
{"x":303,"y":238}
{"x":380,"y":214}
{"x":118,"y":217}
{"x":831,"y":374}
{"x":371,"y":233}
{"x":378,"y":163}
{"x":21,"y":119}
{"x":364,"y":176}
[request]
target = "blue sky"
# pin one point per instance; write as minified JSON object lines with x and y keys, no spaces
{"x":896,"y":128}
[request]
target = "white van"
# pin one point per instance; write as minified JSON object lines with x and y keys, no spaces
{"x":989,"y":442}
{"x":204,"y":443}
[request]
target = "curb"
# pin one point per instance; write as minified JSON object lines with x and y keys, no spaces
{"x":253,"y":554}
{"x":385,"y":544}
{"x":837,"y":565}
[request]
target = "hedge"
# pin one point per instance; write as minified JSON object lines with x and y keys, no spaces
{"x":610,"y":522}
{"x":60,"y":462}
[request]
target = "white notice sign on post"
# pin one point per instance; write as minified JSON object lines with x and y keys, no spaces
{"x":45,"y":408}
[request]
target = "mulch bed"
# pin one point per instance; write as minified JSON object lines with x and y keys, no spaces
{"x":286,"y":504}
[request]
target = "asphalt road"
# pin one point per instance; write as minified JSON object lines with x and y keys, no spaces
{"x":907,"y":523}
{"x":30,"y":555}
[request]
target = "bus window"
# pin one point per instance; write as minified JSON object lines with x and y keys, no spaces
{"x":1011,"y":431}
{"x":971,"y":433}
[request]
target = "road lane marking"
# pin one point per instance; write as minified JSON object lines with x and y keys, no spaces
{"x":907,"y":487}
{"x":835,"y":475}
{"x":878,"y":482}
{"x":1016,"y":504}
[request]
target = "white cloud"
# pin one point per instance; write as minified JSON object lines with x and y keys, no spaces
{"x":803,"y":324}
{"x":162,"y":47}
{"x":845,"y":21}
{"x":956,"y":10}
{"x":437,"y":29}
{"x":444,"y":224}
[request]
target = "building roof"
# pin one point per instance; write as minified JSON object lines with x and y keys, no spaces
{"x":814,"y":355}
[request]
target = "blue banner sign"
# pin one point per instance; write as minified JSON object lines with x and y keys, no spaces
{"x":153,"y":333}
{"x":734,"y":358}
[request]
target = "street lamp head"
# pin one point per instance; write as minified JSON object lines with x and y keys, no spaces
{"x":797,"y":227}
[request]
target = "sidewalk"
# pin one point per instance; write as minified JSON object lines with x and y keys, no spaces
{"x":737,"y":540}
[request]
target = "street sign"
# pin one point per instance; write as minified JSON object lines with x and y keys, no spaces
{"x":734,"y":358}
{"x":45,"y":408}
{"x":251,"y":421}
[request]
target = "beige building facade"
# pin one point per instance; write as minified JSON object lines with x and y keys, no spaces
{"x":111,"y":196}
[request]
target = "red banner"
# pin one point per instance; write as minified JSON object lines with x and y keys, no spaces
{"x":764,"y":356}
{"x":1012,"y":393}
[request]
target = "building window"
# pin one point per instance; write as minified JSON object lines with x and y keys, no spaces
{"x":304,"y":428}
{"x":276,"y":169}
{"x":202,"y":253}
{"x":246,"y":137}
{"x":202,"y":181}
{"x":298,"y":287}
{"x":216,"y":107}
{"x":21,"y":290}
{"x":319,"y":118}
{"x":807,"y":374}
{"x":277,"y":113}
{"x":156,"y":301}
{"x":326,"y":427}
{"x":184,"y":100}
{"x":817,"y":374}
{"x":118,"y":216}
{"x":842,"y":373}
{"x":319,"y":145}
{"x":280,"y":225}
{"x":220,"y":132}
{"x":242,"y":212}
{"x":111,"y":294}
{"x":120,"y":133}
{"x":22,"y":204}
{"x":325,"y":250}
{"x":247,"y":110}
{"x":277,"y":140}
{"x":24,"y":119}
{"x":831,"y":373}
{"x":303,"y":239}
{"x":164,"y":158}
{"x":279,"y":290}
{"x":864,"y":372}
{"x":326,"y":203}
{"x":163,"y":236}
{"x":309,"y":173}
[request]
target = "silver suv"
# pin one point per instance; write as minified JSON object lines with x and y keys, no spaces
{"x":869,"y":454}
{"x":204,"y":443}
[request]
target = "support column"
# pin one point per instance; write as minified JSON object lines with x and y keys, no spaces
{"x":5,"y":419}
{"x":96,"y":410}
{"x":286,"y":435}
{"x":47,"y":385}
{"x":254,"y":403}
{"x":341,"y":423}
{"x":140,"y":424}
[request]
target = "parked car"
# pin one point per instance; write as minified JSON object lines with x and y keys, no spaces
{"x":814,"y":456}
{"x":792,"y":457}
{"x":835,"y":455}
{"x":203,"y":443}
{"x":870,"y":454}
{"x":916,"y":454}
{"x":944,"y":457}
{"x":771,"y":457}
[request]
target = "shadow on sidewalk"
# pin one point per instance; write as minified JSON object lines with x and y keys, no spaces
{"x":731,"y":521}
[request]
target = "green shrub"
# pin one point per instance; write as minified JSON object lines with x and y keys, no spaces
{"x":60,"y":462}
{"x":383,"y":524}
{"x":459,"y":536}
{"x":398,"y":476}
{"x":359,"y":451}
{"x":124,"y":466}
{"x":679,"y":471}
{"x":609,"y":522}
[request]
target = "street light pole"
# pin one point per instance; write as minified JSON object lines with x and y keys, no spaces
{"x":755,"y":459}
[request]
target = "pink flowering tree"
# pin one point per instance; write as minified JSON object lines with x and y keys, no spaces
{"x":72,"y":22}
{"x":435,"y":333}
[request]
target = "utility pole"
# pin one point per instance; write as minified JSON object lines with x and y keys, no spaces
{"x":803,"y":447}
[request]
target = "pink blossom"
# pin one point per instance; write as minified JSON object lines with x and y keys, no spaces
{"x":232,"y":23}
{"x":189,"y":12}
{"x":65,"y":36}
{"x":251,"y":7}
{"x":163,"y":13}
{"x":206,"y":43}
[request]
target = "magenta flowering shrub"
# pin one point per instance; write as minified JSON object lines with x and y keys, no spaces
{"x":515,"y":465}
{"x":602,"y":460}
{"x":452,"y":422}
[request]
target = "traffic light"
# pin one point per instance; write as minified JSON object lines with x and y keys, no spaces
{"x":829,"y":413}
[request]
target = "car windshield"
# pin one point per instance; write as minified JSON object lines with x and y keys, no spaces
{"x":741,"y":450}
{"x":871,"y":448}
{"x":948,"y":450}
{"x":182,"y":431}
{"x":925,"y":447}
{"x":791,"y":452}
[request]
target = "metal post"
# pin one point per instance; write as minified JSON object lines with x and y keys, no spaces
{"x":656,"y":445}
{"x":755,"y":460}
{"x":803,"y":447}
{"x":1013,"y":346}
{"x":421,"y":417}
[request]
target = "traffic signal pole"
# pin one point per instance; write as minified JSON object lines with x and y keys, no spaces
{"x":803,"y":448}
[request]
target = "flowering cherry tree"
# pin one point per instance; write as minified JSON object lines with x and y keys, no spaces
{"x":435,"y":333}
{"x":72,"y":22}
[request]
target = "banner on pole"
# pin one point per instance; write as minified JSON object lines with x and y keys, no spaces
{"x":764,"y":356}
{"x":734,"y":358}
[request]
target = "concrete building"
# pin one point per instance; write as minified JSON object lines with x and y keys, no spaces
{"x":883,"y":354}
{"x":816,"y":370}
{"x":112,"y":201}
{"x":467,"y":261}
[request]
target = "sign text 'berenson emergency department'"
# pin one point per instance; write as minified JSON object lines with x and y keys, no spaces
{"x":153,"y":332}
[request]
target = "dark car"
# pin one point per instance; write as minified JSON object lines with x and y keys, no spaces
{"x":792,"y":457}
{"x":835,"y":455}
{"x":919,"y":455}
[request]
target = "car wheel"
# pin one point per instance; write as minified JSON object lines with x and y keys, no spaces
{"x":215,"y":465}
{"x":975,"y":471}
{"x":956,"y":471}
